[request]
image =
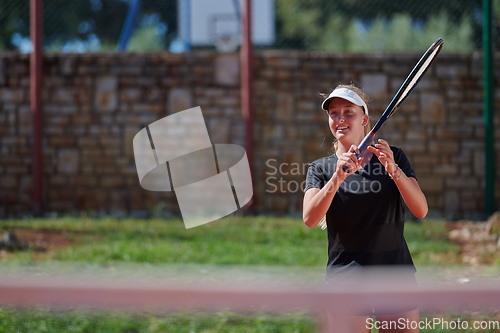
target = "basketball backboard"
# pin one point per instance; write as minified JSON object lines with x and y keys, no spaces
{"x":212,"y":22}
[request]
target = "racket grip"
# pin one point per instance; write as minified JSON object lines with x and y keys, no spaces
{"x":346,"y":169}
{"x":362,"y":147}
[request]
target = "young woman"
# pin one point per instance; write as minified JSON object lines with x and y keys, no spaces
{"x":364,"y":207}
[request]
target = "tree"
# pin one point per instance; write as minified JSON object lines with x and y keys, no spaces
{"x":355,"y":25}
{"x":66,"y":21}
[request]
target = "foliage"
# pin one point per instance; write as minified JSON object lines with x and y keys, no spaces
{"x":14,"y":18}
{"x":400,"y":34}
{"x":342,"y":25}
{"x":86,"y":320}
{"x":80,"y":20}
{"x":360,"y":26}
{"x":230,"y":241}
{"x":260,"y":240}
{"x":146,"y":39}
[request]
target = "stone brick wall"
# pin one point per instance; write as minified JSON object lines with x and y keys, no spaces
{"x":94,"y":104}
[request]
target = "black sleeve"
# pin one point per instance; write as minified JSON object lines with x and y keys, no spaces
{"x":314,"y":177}
{"x":403,"y":162}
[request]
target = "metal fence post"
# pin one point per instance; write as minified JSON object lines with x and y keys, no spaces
{"x":488,"y":109}
{"x":36,"y":100}
{"x":246,"y":82}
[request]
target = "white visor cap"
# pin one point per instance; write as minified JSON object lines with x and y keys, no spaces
{"x":346,"y":94}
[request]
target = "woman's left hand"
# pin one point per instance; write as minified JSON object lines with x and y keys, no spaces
{"x":385,"y":155}
{"x":408,"y":186}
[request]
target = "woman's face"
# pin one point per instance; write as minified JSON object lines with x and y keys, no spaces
{"x":347,"y":121}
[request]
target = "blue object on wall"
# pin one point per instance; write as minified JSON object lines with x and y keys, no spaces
{"x":128,"y":26}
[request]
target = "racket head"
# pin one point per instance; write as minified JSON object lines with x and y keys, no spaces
{"x":417,"y":73}
{"x":411,"y":82}
{"x":408,"y":85}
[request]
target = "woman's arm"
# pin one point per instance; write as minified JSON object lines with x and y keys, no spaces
{"x":412,"y":194}
{"x":408,"y":186}
{"x":316,"y":201}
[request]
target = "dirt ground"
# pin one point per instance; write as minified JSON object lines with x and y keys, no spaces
{"x":479,"y":241}
{"x":43,"y":242}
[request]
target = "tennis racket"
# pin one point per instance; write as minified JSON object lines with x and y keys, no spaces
{"x":410,"y":83}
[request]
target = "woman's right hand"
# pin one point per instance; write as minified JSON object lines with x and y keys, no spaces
{"x":350,"y":161}
{"x":317,"y":201}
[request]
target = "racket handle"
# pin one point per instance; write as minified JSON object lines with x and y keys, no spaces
{"x":362,"y":147}
{"x":347,"y":169}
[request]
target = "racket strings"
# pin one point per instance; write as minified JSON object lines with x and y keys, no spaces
{"x":421,"y":71}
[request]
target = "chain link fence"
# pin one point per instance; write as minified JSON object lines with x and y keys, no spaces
{"x":89,"y":25}
{"x":379,"y":25}
{"x":324,"y":25}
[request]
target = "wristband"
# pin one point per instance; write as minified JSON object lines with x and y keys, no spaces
{"x":400,"y":173}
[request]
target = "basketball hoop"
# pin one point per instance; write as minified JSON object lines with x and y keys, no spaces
{"x":213,"y":23}
{"x":227,"y":43}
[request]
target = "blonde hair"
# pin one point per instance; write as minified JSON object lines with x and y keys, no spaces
{"x":361,"y":94}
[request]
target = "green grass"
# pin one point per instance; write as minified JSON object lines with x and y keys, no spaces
{"x":429,"y":244}
{"x":230,"y":241}
{"x":84,"y":320}
{"x":245,"y":242}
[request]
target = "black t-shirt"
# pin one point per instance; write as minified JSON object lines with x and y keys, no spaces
{"x":365,"y":221}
